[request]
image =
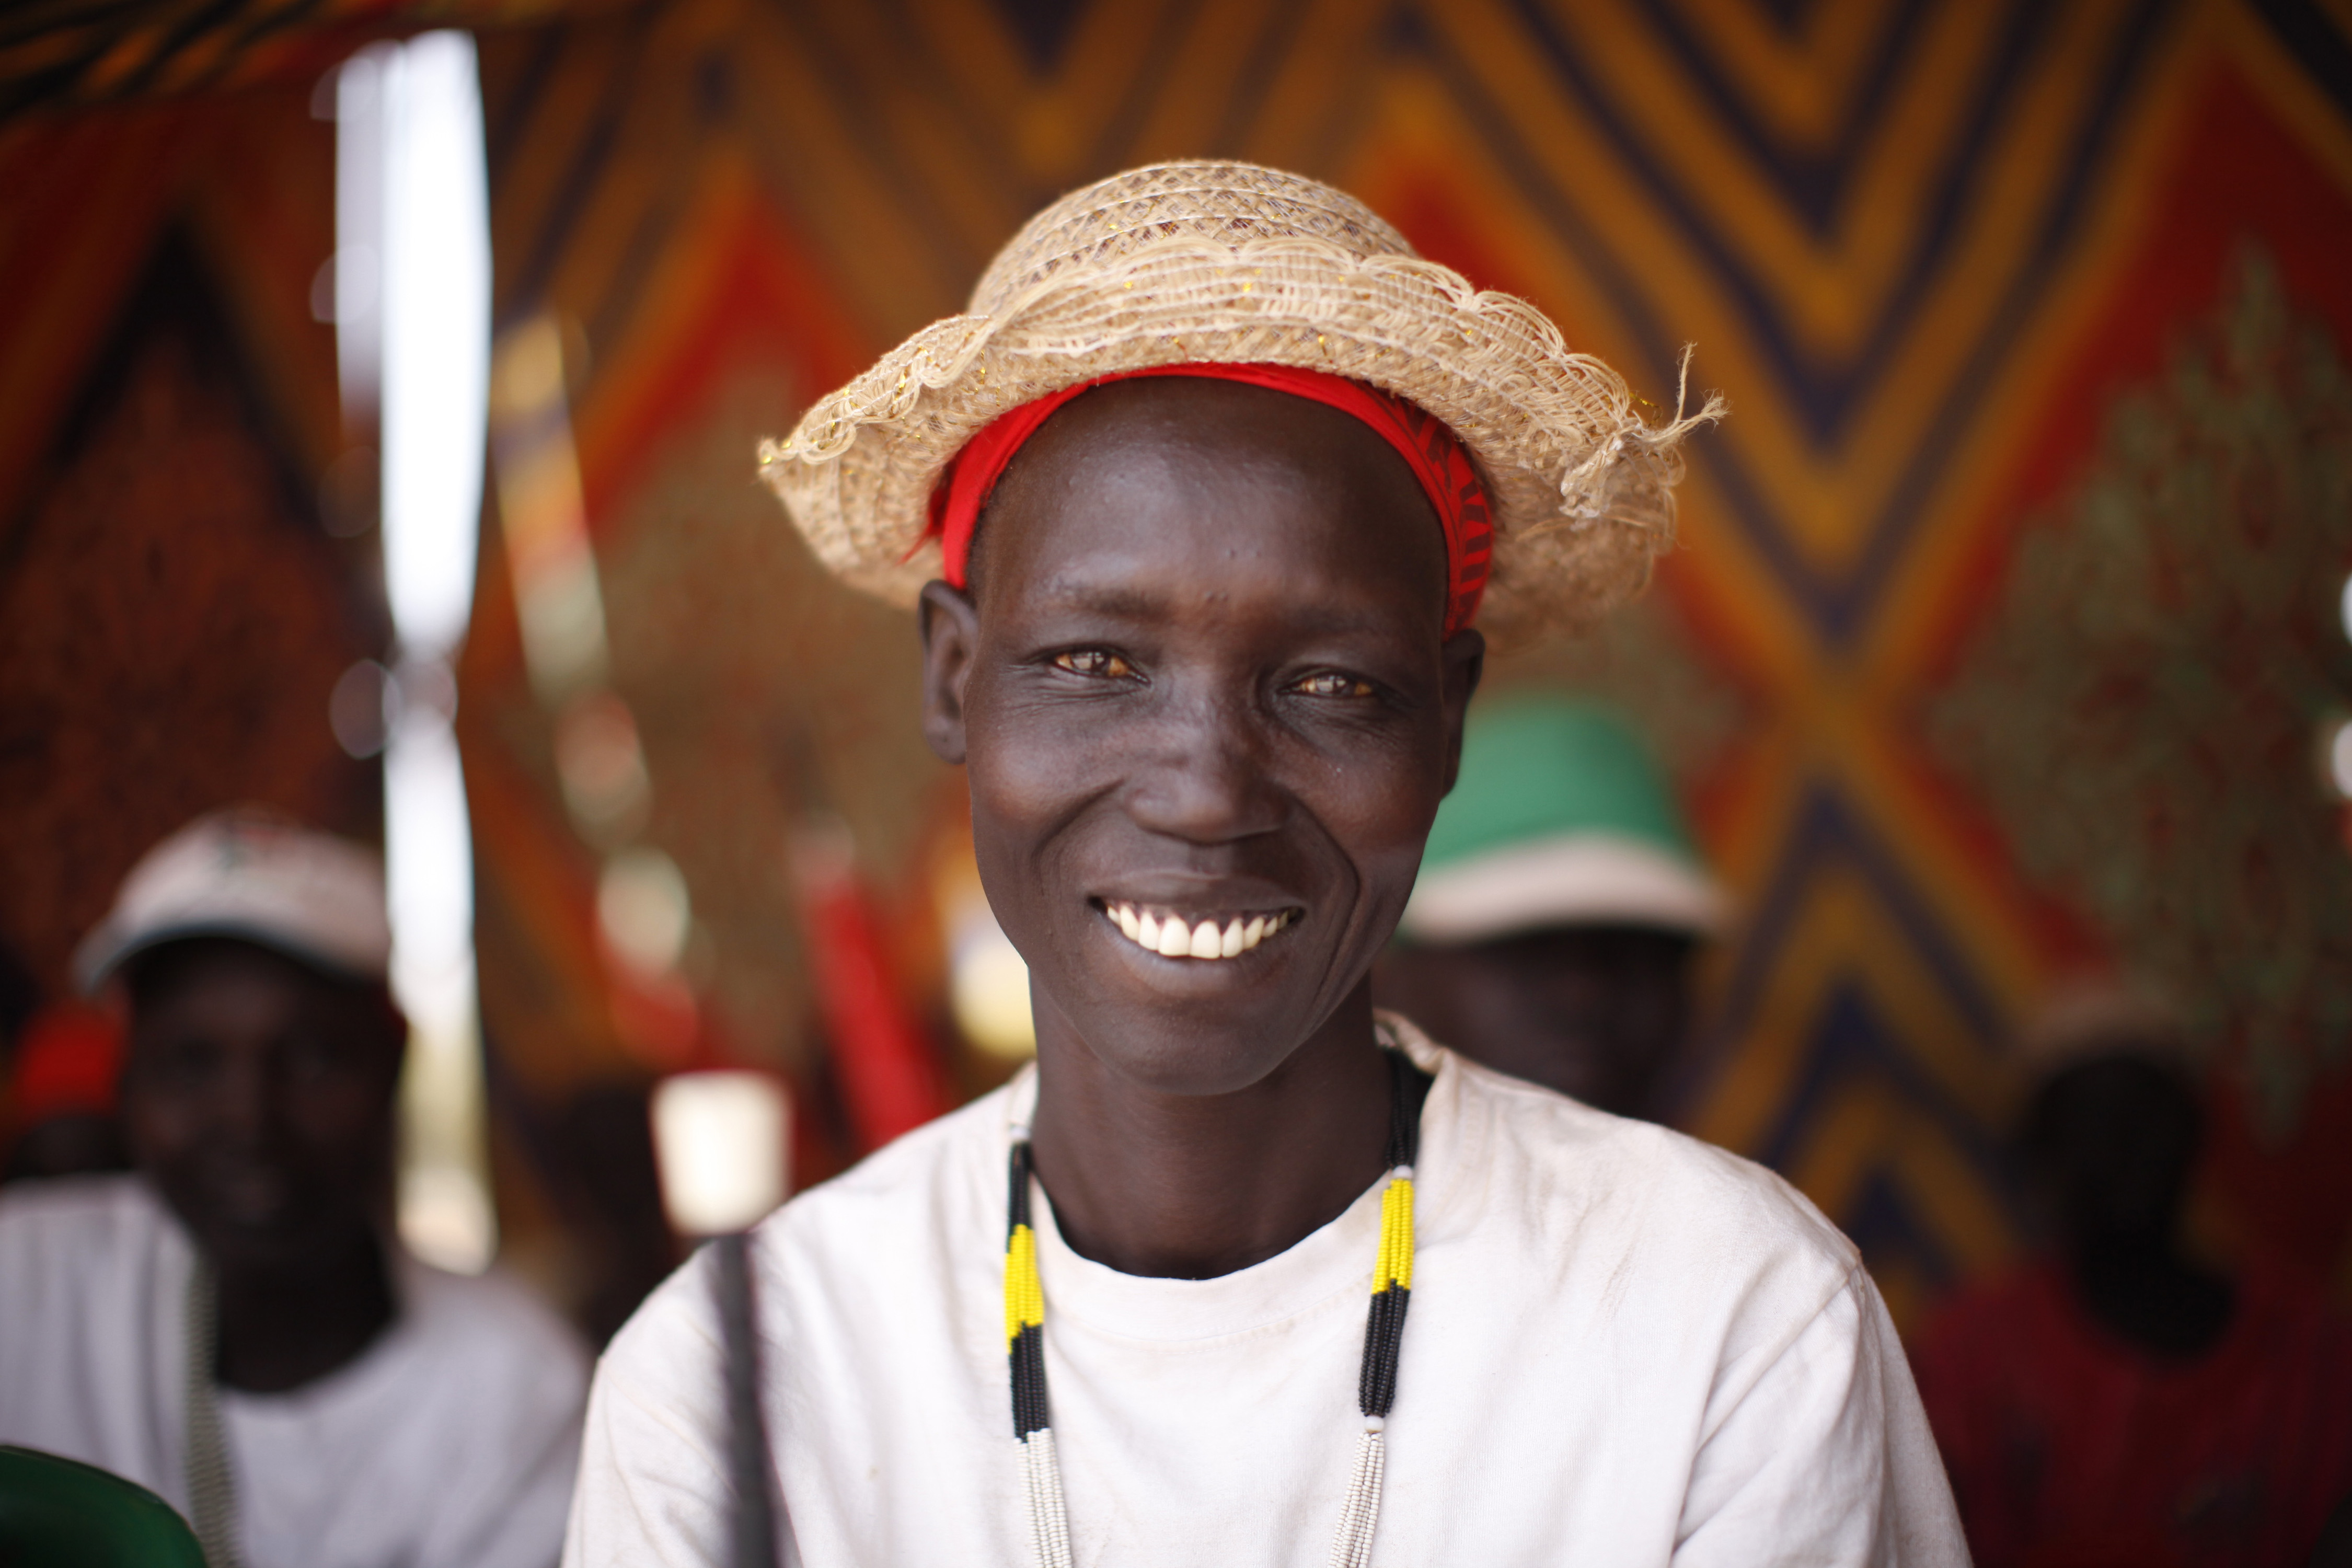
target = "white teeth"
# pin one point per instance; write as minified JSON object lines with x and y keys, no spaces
{"x":1171,"y":937}
{"x":1175,"y":941}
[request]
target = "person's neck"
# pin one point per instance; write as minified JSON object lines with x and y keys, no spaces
{"x":282,"y":1326}
{"x":1194,"y":1186}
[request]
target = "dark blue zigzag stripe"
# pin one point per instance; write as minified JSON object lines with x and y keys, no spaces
{"x":524,"y":284}
{"x":1255,"y":80}
{"x":1043,"y":26}
{"x":513,"y":111}
{"x":1792,"y":15}
{"x":1836,"y":603}
{"x":1111,"y":149}
{"x":1825,"y":835}
{"x":718,"y":92}
{"x":885,"y":143}
{"x":1825,"y":395}
{"x":1849,"y":1040}
{"x":1812,"y":184}
{"x":1852,"y":1043}
{"x":1816,"y":596}
{"x":1880,"y":1221}
{"x":2315,"y":42}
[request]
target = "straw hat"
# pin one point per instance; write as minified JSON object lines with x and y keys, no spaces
{"x":1227,"y":262}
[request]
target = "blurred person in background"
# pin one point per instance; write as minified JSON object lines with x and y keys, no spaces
{"x":2118,"y":1399}
{"x":61,"y":1092}
{"x":1559,"y":907}
{"x":232,"y":1326}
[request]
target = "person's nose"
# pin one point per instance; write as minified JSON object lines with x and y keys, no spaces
{"x":1204,"y":777}
{"x":244,"y":1103}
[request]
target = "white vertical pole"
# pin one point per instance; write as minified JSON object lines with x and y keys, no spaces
{"x":434,"y":345}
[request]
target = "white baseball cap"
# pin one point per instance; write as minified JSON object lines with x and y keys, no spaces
{"x":2084,"y":1017}
{"x":256,"y":875}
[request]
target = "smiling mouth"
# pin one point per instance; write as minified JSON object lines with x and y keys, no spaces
{"x":1172,"y":935}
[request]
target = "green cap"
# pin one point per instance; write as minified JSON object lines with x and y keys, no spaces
{"x":1560,"y":818}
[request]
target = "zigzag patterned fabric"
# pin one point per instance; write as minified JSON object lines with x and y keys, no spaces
{"x":1975,"y":275}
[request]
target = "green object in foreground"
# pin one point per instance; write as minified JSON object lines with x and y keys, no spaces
{"x":62,"y":1514}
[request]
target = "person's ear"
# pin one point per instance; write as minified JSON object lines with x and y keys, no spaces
{"x":950,"y":630}
{"x":1465,"y":661}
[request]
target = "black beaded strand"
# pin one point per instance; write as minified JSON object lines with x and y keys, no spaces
{"x":1384,"y":1332}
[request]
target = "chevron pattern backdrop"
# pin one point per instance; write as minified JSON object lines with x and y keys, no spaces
{"x":1980,"y":277}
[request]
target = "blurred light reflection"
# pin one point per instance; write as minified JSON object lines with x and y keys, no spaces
{"x":411,"y":305}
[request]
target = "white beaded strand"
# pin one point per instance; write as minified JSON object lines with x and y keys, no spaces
{"x":1359,"y":1519}
{"x":1049,"y":1514}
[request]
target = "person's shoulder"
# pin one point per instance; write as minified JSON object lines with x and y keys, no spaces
{"x":80,"y":1216}
{"x":907,"y":1200}
{"x":896,"y":1205}
{"x":489,"y":1324}
{"x":907,"y":1174}
{"x":1673,"y":1202}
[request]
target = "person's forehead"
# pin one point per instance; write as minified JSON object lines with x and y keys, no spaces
{"x":1113,"y":588}
{"x":1297,"y":498}
{"x":1221,"y":424}
{"x":215,"y":965}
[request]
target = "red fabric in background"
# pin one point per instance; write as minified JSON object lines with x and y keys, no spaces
{"x":2069,"y":1448}
{"x":1438,"y":459}
{"x":68,"y":1061}
{"x":886,"y":1070}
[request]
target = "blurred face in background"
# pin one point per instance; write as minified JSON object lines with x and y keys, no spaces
{"x":2109,"y":1146}
{"x":1598,"y":1013}
{"x":258,"y":1095}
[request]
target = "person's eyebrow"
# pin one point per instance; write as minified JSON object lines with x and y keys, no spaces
{"x":1113,"y":601}
{"x":1127,"y":602}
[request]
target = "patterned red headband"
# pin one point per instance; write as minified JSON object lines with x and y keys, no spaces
{"x":1437,"y":459}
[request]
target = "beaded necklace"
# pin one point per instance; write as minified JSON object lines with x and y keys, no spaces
{"x":1025,"y":1333}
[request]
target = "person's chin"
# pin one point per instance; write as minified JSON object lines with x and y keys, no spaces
{"x":1194,"y":1026}
{"x":296,"y":1238}
{"x":266,"y":1249}
{"x":1159,"y":1054}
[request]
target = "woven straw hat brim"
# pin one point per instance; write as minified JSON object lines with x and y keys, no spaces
{"x":1581,"y":487}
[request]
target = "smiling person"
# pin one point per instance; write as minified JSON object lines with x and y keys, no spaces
{"x":230,"y":1327}
{"x":1208,"y":506}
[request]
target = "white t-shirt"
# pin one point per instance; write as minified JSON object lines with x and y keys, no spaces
{"x":1623,"y":1347}
{"x":450,"y":1443}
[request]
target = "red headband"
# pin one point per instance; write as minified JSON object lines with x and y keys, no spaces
{"x":1437,"y":457}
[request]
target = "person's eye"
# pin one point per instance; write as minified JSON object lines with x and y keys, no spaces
{"x":313,"y":1055}
{"x":307,"y":1060}
{"x":181,"y":1064}
{"x":1331,"y":683}
{"x":1101,"y":664}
